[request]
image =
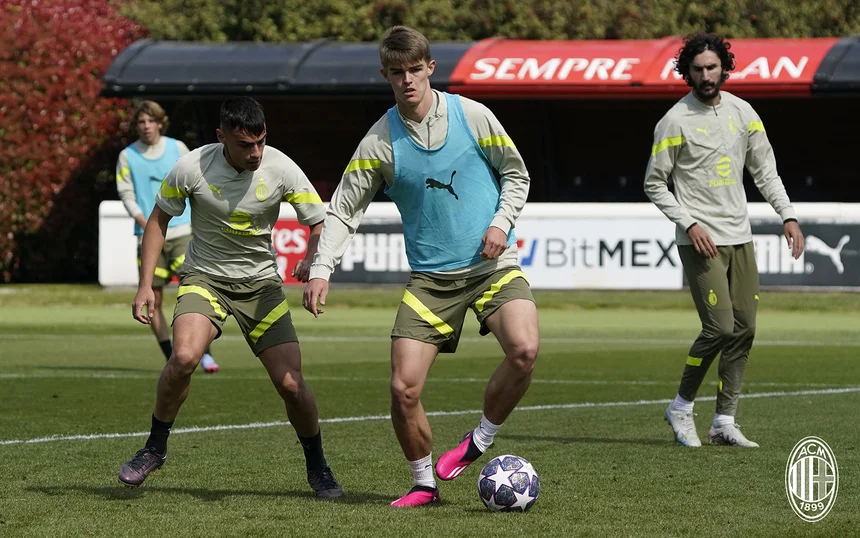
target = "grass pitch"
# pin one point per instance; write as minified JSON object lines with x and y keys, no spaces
{"x":77,"y":383}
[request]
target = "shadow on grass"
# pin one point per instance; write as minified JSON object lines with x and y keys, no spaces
{"x":121,"y":493}
{"x":588,"y":440}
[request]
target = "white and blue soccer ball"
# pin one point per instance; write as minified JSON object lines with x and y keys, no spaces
{"x":508,"y":484}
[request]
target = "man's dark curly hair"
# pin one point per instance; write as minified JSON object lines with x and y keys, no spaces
{"x":696,"y":44}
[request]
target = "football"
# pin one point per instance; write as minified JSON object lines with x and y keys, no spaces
{"x":508,"y":484}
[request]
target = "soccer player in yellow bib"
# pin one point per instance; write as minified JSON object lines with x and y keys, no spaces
{"x":235,"y":189}
{"x":702,"y":145}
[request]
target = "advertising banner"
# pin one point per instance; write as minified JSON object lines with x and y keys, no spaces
{"x":595,"y":253}
{"x":621,"y":68}
{"x":831,"y":258}
{"x":561,"y":246}
{"x":376,"y":255}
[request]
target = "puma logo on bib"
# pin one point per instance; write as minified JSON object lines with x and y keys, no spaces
{"x":433,"y":184}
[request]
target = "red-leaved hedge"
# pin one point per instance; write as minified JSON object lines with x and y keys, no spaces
{"x":58,"y":138}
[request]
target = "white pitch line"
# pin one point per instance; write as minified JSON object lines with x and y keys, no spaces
{"x":373,"y":339}
{"x":480,"y":380}
{"x":367,"y":418}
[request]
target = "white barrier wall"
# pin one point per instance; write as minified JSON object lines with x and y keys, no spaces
{"x":561,"y":246}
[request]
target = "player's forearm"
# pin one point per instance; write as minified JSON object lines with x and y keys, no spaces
{"x":153,"y":241}
{"x":773,"y":191}
{"x":515,"y":192}
{"x":125,"y":188}
{"x":333,"y":240}
{"x":314,"y":240}
{"x":769,"y":183}
{"x":129,"y":200}
{"x":343,"y":216}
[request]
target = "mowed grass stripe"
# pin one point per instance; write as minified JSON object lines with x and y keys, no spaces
{"x":345,"y":379}
{"x":367,"y":418}
{"x":470,"y":339}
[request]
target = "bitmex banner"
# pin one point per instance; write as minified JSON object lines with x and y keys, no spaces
{"x":561,"y":246}
{"x":599,"y":253}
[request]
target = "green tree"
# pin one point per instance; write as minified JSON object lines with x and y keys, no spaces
{"x":58,"y":139}
{"x":464,"y":20}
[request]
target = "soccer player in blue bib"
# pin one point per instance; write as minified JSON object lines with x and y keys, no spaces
{"x":460,"y":184}
{"x":139,"y":171}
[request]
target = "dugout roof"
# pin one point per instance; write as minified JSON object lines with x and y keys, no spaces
{"x":499,"y":68}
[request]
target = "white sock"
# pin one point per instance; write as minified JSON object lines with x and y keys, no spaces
{"x":485,"y":433}
{"x":680,"y":404}
{"x":723,"y":420}
{"x":422,"y":471}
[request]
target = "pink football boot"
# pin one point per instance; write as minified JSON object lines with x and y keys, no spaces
{"x":455,"y":461}
{"x":418,"y":496}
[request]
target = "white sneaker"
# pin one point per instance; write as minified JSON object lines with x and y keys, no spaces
{"x":208,"y":363}
{"x":730,"y":434}
{"x":683,"y":426}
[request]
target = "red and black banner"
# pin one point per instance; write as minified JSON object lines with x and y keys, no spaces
{"x":628,"y":68}
{"x":499,"y":68}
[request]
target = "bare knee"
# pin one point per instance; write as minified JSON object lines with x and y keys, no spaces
{"x":523,"y":356}
{"x":184,"y":360}
{"x":404,"y":395}
{"x":290,"y":386}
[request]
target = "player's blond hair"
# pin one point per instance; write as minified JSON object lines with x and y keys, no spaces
{"x":153,"y":110}
{"x":402,"y":45}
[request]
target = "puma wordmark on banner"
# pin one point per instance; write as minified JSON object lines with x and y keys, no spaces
{"x":811,"y":479}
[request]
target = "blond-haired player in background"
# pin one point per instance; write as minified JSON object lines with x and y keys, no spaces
{"x":139,"y":171}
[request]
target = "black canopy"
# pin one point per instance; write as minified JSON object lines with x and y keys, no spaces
{"x":337,"y":68}
{"x":178,"y":68}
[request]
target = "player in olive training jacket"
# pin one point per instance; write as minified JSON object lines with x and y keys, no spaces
{"x":702,"y":145}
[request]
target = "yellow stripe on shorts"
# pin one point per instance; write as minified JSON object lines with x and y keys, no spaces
{"x":415,"y":304}
{"x":160,"y":272}
{"x":694,"y":361}
{"x":494,"y":289}
{"x":203,"y":292}
{"x":177,"y":263}
{"x":277,"y":313}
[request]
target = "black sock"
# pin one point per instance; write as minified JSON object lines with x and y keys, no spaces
{"x":207,"y":352}
{"x":158,"y":435}
{"x":472,"y":452}
{"x":314,"y":458}
{"x":166,"y":348}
